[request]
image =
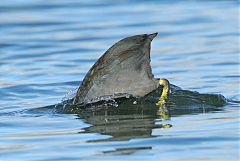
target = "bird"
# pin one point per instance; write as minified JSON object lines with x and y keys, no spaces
{"x":123,"y":69}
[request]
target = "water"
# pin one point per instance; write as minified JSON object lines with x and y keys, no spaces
{"x":46,"y":48}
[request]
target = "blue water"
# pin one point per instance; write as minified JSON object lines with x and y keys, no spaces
{"x":47,"y":47}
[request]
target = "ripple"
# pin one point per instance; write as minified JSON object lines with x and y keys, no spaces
{"x":47,"y":48}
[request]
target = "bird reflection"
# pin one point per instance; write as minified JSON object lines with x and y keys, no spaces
{"x":138,"y":117}
{"x":131,"y":119}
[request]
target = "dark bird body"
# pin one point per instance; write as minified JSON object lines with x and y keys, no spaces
{"x":123,"y":68}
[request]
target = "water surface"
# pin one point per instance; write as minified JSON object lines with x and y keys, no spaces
{"x":46,"y":48}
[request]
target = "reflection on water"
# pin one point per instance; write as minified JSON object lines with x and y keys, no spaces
{"x":46,"y":48}
{"x":137,"y":117}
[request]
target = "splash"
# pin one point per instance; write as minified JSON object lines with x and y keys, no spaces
{"x":70,"y":95}
{"x":91,"y":104}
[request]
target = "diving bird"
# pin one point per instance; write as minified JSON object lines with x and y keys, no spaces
{"x":123,"y":69}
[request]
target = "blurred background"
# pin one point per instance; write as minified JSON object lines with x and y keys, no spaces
{"x":47,"y":47}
